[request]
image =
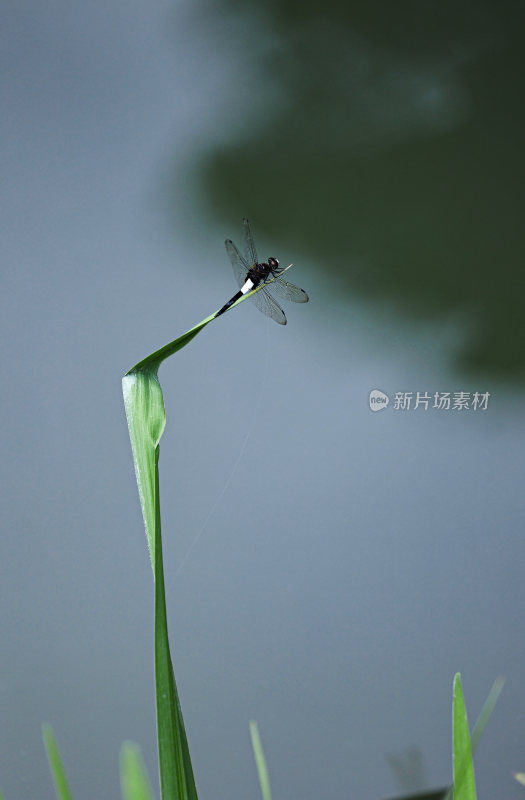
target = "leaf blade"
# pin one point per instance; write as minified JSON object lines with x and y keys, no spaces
{"x":56,"y":767}
{"x":260,"y":761}
{"x":134,"y":780}
{"x":176,"y":772}
{"x":464,"y":783}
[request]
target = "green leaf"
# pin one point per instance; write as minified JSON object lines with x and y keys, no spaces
{"x":486,"y":712}
{"x":260,"y":761}
{"x":481,"y":722}
{"x":464,"y":784}
{"x":146,"y":417}
{"x":134,"y":779}
{"x":176,"y":773}
{"x":55,"y":764}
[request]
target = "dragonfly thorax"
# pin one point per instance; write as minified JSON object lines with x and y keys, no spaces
{"x":262,"y":271}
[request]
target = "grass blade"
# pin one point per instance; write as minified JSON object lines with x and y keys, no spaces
{"x":464,"y":784}
{"x":146,"y":418}
{"x":176,"y":773}
{"x":481,"y":722}
{"x":58,"y":774}
{"x":144,"y":405}
{"x":486,"y":711}
{"x":134,"y":781}
{"x":260,"y":761}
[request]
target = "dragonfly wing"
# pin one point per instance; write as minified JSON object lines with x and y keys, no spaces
{"x":265,"y":303}
{"x":240,"y":267}
{"x":287,"y":291}
{"x":251,"y":252}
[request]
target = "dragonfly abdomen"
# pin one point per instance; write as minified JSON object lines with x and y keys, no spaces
{"x":249,"y":284}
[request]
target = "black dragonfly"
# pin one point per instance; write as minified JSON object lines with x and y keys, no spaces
{"x":250,"y":274}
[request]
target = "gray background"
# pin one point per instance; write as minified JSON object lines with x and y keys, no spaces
{"x":328,"y":569}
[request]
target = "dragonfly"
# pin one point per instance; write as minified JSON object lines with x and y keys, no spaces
{"x":250,"y":273}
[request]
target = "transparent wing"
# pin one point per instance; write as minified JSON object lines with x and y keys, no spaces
{"x":251,"y":252}
{"x":287,"y":291}
{"x":265,"y":303}
{"x":240,"y":267}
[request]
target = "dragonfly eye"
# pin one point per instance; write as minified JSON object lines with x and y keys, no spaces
{"x":273,"y":262}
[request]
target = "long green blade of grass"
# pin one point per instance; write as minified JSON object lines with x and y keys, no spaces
{"x":176,"y":773}
{"x":486,"y":712}
{"x":146,"y":418}
{"x":464,"y":784}
{"x":58,"y":774}
{"x":134,"y":781}
{"x":477,"y":732}
{"x":481,"y":722}
{"x":260,"y":761}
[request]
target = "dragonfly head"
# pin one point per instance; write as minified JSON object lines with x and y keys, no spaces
{"x":273,"y":263}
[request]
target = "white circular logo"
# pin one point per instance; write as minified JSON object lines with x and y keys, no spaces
{"x":378,"y":400}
